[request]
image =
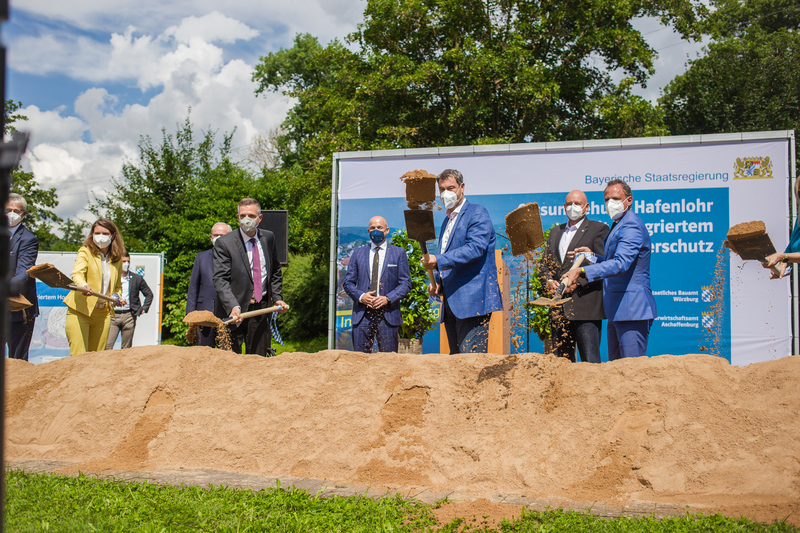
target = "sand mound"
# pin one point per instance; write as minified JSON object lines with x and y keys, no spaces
{"x":688,"y":429}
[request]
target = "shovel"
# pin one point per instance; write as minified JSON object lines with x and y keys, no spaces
{"x":207,"y":318}
{"x":420,"y":228}
{"x":53,"y":277}
{"x":18,"y":303}
{"x":750,"y":241}
{"x":558,"y":298}
{"x":524,"y":229}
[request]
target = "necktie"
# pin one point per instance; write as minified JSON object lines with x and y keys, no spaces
{"x":258,"y":290}
{"x":373,"y":286}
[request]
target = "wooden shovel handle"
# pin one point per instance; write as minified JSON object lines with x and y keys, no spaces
{"x":257,"y":312}
{"x":98,"y":296}
{"x":424,"y":246}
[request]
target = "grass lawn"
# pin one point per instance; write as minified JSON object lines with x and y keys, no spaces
{"x":45,"y":503}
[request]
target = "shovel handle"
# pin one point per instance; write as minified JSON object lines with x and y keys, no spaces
{"x":257,"y":312}
{"x":424,"y":246}
{"x":576,"y":265}
{"x":98,"y":296}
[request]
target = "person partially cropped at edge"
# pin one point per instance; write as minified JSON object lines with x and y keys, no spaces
{"x":464,"y":268}
{"x":23,"y":251}
{"x":97,"y":269}
{"x":378,"y":277}
{"x":624,"y":268}
{"x":792,"y":252}
{"x":247,"y":276}
{"x":579,"y":321}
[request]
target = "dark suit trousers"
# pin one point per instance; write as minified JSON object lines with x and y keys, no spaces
{"x":19,"y":339}
{"x":254,"y":332}
{"x":374,"y":324}
{"x":567,"y":333}
{"x":207,"y":336}
{"x":465,"y":335}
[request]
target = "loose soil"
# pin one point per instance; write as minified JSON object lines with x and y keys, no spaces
{"x":524,"y":229}
{"x":685,"y":430}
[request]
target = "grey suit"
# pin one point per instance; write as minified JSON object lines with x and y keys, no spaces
{"x":233,"y":281}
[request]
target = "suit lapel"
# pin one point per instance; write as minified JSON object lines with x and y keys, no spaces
{"x":557,"y":232}
{"x":385,"y":261}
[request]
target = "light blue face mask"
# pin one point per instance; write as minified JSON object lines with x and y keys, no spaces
{"x":377,"y":236}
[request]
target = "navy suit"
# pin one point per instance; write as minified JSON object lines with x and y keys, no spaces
{"x":628,"y":301}
{"x":394,"y":282}
{"x":467,"y":271}
{"x":202,"y":294}
{"x":24,"y":248}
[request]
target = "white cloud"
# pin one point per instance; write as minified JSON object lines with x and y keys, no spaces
{"x":214,"y":27}
{"x":81,"y":154}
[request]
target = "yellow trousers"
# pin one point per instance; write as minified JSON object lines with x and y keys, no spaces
{"x":87,"y":333}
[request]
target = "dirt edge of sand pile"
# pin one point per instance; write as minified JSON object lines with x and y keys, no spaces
{"x":689,"y":430}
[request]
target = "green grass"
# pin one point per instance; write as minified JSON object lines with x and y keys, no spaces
{"x":45,"y":503}
{"x":304,"y":345}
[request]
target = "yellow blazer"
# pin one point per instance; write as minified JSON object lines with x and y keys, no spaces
{"x":88,"y":270}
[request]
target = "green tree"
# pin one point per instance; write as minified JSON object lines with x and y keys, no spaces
{"x":41,"y":202}
{"x":749,"y":79}
{"x":456,"y":72}
{"x":168,"y":200}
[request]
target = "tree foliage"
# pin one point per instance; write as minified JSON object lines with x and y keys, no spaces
{"x":169,"y":199}
{"x":749,"y":79}
{"x":458,"y":72}
{"x":41,"y":202}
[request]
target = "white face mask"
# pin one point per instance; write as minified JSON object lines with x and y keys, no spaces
{"x":102,"y":241}
{"x":449,"y":199}
{"x":13,"y":219}
{"x":214,"y":239}
{"x":125,"y":266}
{"x":615,"y":208}
{"x":574,"y":212}
{"x":249,"y":225}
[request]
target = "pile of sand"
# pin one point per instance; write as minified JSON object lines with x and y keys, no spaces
{"x":688,"y":429}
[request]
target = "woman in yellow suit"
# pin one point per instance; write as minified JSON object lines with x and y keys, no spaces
{"x":97,"y":271}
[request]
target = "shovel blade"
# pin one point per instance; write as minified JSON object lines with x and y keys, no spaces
{"x":419,"y":225}
{"x":524,"y":229}
{"x":50,"y":276}
{"x":551,"y":302}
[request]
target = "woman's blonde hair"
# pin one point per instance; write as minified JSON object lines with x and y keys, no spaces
{"x":117,"y":248}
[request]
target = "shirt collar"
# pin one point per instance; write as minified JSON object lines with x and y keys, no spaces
{"x":575,"y":226}
{"x":382,"y":245}
{"x":245,"y":237}
{"x":457,"y":209}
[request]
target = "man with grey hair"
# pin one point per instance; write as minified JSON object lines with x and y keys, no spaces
{"x":24,"y":248}
{"x":465,"y":269}
{"x":202,"y":294}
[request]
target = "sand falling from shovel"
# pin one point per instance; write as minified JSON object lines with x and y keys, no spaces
{"x":712,"y":337}
{"x":420,"y":192}
{"x":195,"y":319}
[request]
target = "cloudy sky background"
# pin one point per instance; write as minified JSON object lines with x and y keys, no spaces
{"x":93,"y":76}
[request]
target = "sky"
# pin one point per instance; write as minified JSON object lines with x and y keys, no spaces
{"x":94,"y":76}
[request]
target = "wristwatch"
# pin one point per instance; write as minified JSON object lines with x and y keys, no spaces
{"x":388,"y":301}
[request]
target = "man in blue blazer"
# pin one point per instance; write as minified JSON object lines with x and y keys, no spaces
{"x":624,"y":268}
{"x":465,"y":270}
{"x":378,"y":276}
{"x":202,"y":294}
{"x":24,"y":248}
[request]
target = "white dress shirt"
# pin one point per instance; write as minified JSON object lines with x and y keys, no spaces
{"x":381,"y":251}
{"x":450,"y":225}
{"x":566,"y":238}
{"x":249,"y":247}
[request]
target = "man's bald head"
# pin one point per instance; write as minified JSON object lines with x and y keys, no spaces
{"x":575,"y":206}
{"x":379,"y":223}
{"x":576,"y":197}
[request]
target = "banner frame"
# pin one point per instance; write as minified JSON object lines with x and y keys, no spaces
{"x":562,"y":146}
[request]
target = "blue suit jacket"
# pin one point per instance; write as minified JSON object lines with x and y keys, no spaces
{"x":395,"y":281}
{"x":24,"y":250}
{"x":201,"y":284}
{"x":625,"y":271}
{"x":467,"y":269}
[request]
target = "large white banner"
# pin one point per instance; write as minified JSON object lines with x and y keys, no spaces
{"x":49,"y":336}
{"x":688,"y":191}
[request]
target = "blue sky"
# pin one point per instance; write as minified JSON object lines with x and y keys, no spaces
{"x":93,"y":76}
